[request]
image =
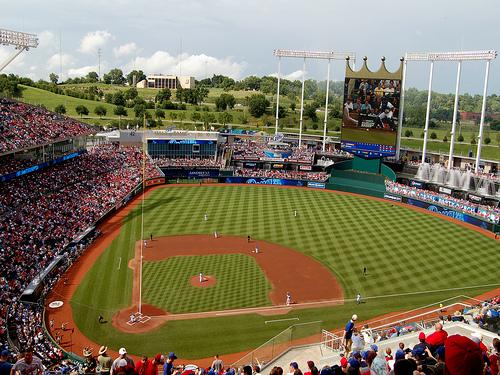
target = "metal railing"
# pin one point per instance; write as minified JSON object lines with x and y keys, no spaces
{"x":278,"y":344}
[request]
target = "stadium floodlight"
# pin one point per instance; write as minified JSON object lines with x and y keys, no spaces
{"x":326,"y":55}
{"x":21,"y":41}
{"x":451,"y":56}
{"x":322,"y":55}
{"x":432,"y":57}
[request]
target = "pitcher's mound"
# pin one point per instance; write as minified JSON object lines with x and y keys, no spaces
{"x":207,"y":281}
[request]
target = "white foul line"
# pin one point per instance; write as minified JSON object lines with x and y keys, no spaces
{"x":120,"y":263}
{"x":280,"y":320}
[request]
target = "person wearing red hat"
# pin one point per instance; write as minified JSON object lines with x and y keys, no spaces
{"x":343,"y":363}
{"x":152,"y":367}
{"x":422,"y":344}
{"x":463,"y":356}
{"x":438,"y":337}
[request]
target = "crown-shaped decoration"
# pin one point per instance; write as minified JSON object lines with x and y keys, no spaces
{"x":381,"y":73}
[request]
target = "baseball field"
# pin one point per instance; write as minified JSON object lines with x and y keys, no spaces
{"x":412,"y":259}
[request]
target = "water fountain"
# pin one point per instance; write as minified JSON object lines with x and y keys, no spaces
{"x":423,"y":172}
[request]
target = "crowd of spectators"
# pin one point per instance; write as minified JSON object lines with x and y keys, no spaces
{"x":42,"y":212}
{"x":9,"y":164}
{"x":491,"y":214}
{"x":23,"y":125}
{"x":245,"y":149}
{"x":282,"y":174}
{"x":188,"y":162}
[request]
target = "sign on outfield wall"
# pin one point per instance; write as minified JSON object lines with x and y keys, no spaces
{"x":461,"y":216}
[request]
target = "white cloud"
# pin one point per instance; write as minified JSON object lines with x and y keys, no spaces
{"x":55,"y":61}
{"x":94,"y":40}
{"x":125,"y":49}
{"x":82,"y":71}
{"x":46,"y":39}
{"x":291,"y":76}
{"x":199,"y":66}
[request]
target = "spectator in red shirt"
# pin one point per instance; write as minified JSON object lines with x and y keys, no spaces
{"x":438,"y":337}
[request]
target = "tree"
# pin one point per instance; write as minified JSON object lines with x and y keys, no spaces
{"x":163,"y":95}
{"x":281,"y":111}
{"x":460,"y":138}
{"x":60,"y":108}
{"x":408,"y":133}
{"x":100,"y":110}
{"x":120,"y":111}
{"x":310,"y":111}
{"x":82,"y":110}
{"x":445,"y":139}
{"x":487,"y":140}
{"x":130,"y":94}
{"x":257,"y":105}
{"x":114,"y":77}
{"x":292,"y":106}
{"x":179,"y":94}
{"x":139,"y":76}
{"x":433,"y":135}
{"x":207,"y":118}
{"x":159,"y":114}
{"x":225,"y":101}
{"x":54,"y":78}
{"x":92,"y":77}
{"x":108,"y":98}
{"x":9,"y":87}
{"x":196,"y":116}
{"x":225,"y":117}
{"x":118,"y":98}
{"x":139,"y":110}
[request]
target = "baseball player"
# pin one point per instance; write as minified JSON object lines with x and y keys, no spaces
{"x":288,"y":298}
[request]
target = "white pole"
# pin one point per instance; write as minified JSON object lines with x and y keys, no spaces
{"x":454,"y":122}
{"x":428,"y":112}
{"x":483,"y":112}
{"x":326,"y":104}
{"x":401,"y":112}
{"x":142,"y":210}
{"x":278,"y":96}
{"x":302,"y":102}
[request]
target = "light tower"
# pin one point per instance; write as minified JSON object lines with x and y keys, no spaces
{"x":21,"y":41}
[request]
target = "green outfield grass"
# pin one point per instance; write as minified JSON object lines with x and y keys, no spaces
{"x":408,"y":255}
{"x":246,"y":287}
{"x":369,"y":135}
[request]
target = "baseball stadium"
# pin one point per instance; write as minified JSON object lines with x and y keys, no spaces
{"x":253,"y":245}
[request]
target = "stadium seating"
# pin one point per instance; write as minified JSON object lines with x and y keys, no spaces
{"x":80,"y":191}
{"x":489,"y":213}
{"x":23,"y":125}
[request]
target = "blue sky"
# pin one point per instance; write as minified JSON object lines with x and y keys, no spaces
{"x":237,"y":38}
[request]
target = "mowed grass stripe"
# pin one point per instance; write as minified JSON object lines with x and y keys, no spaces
{"x":239,"y":283}
{"x":404,"y":251}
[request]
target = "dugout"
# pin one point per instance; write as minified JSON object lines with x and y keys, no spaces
{"x":35,"y":288}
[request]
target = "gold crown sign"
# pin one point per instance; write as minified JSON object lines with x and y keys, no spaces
{"x":381,"y":73}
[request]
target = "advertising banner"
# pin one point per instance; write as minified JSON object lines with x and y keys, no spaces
{"x":264,"y":181}
{"x":392,"y":197}
{"x":451,"y":213}
{"x":316,"y":185}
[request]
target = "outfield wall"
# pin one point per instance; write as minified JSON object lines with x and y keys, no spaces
{"x":446,"y":211}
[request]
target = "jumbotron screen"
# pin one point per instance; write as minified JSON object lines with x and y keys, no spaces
{"x":370,"y":115}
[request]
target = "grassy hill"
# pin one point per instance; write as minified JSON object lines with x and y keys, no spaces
{"x":242,"y":119}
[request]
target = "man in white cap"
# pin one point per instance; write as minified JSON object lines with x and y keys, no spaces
{"x":122,"y":363}
{"x":347,"y":337}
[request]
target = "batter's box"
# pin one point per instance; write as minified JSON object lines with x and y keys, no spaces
{"x":138,"y":318}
